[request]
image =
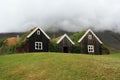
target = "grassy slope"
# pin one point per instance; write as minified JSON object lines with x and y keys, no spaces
{"x":52,"y":66}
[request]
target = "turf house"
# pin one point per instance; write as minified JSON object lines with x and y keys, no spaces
{"x":35,"y":40}
{"x":91,"y":44}
{"x":65,"y":43}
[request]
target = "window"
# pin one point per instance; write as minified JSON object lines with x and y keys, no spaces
{"x":38,"y":46}
{"x":89,"y":36}
{"x":38,"y":32}
{"x":90,"y":48}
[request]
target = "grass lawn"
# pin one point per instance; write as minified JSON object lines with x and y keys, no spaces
{"x":59,"y":66}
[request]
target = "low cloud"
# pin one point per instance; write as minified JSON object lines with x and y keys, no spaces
{"x":70,"y":15}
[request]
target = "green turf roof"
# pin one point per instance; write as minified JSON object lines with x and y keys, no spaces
{"x":24,"y":37}
{"x":76,"y":36}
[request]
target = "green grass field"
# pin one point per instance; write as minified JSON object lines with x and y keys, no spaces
{"x":59,"y":66}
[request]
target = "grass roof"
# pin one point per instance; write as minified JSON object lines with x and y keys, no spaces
{"x":76,"y":36}
{"x":24,"y":37}
{"x":56,"y":39}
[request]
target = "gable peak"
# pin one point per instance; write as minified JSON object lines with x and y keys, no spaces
{"x":36,"y":28}
{"x":89,"y":30}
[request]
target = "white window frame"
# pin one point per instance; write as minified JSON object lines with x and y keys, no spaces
{"x":38,"y":32}
{"x":90,"y":48}
{"x":38,"y":46}
{"x":90,"y":36}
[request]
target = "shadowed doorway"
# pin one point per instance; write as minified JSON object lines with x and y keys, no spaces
{"x":65,"y":49}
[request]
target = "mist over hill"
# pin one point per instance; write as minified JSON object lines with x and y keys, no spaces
{"x":70,"y":15}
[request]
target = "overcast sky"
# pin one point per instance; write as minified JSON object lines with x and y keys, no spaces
{"x":71,"y":15}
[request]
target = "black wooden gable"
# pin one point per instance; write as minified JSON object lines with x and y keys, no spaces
{"x":65,"y":38}
{"x":65,"y":44}
{"x":90,"y":43}
{"x":38,"y":41}
{"x":90,"y":35}
{"x":38,"y":31}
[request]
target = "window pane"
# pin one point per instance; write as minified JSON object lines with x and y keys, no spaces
{"x":90,"y":36}
{"x":90,"y":48}
{"x":38,"y":46}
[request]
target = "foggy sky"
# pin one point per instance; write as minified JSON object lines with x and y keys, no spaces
{"x":70,"y":15}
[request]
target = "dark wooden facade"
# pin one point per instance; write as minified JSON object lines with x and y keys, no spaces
{"x":90,"y":43}
{"x":36,"y":41}
{"x":85,"y":42}
{"x":38,"y":38}
{"x":65,"y":44}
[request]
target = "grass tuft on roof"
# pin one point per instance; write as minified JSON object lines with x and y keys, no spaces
{"x":76,"y":36}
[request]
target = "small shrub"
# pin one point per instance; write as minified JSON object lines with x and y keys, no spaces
{"x":2,"y":42}
{"x":53,"y":47}
{"x":9,"y":50}
{"x":75,"y":49}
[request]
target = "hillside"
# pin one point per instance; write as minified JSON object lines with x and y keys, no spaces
{"x":59,"y":66}
{"x":12,"y":34}
{"x":111,"y":39}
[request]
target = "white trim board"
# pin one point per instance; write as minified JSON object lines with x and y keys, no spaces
{"x":65,"y":35}
{"x":89,"y":30}
{"x":36,"y":30}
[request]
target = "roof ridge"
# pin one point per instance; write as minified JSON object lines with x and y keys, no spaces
{"x":89,"y":30}
{"x":62,"y":37}
{"x":40,"y":30}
